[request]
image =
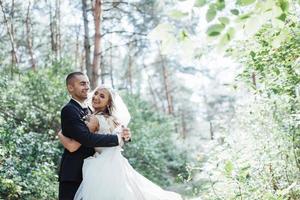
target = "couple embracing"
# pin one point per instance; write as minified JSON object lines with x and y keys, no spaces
{"x":92,"y":166}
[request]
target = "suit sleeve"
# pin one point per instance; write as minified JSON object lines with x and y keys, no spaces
{"x":73,"y":127}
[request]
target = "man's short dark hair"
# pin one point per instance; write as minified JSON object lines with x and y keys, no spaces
{"x":71,"y":77}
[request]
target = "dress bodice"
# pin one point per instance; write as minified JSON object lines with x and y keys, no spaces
{"x":107,"y":126}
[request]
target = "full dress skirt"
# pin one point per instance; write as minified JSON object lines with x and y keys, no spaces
{"x":108,"y":176}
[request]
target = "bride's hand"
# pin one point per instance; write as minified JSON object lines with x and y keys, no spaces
{"x":92,"y":123}
{"x":126,"y":134}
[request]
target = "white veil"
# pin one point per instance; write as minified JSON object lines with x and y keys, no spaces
{"x":120,"y":111}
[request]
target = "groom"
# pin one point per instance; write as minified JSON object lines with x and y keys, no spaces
{"x":73,"y":126}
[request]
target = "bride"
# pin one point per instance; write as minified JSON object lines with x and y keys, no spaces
{"x":107,"y":175}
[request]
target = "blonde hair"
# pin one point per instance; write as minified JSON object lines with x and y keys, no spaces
{"x":110,"y":108}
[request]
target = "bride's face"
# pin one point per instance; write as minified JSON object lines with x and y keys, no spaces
{"x":100,"y":99}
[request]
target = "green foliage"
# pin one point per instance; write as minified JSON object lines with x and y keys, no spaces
{"x":30,"y":105}
{"x":235,"y":11}
{"x":275,"y":62}
{"x":260,"y":158}
{"x":215,"y":29}
{"x":284,"y":5}
{"x":199,"y":3}
{"x":177,"y":14}
{"x":257,"y":160}
{"x":211,"y":13}
{"x":248,"y":19}
{"x":224,"y":20}
{"x":152,"y":151}
{"x":244,"y":2}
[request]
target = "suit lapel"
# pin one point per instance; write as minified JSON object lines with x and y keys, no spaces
{"x":79,"y":108}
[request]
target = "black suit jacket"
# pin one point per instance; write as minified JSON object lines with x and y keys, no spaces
{"x":74,"y":127}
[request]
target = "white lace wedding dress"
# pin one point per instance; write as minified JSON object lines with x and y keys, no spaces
{"x":108,"y":176}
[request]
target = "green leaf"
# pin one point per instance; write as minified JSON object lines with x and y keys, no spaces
{"x":177,"y":14}
{"x":183,"y":35}
{"x":276,"y":70}
{"x":283,"y":36}
{"x":252,"y":54}
{"x":235,"y":11}
{"x":215,"y":30}
{"x":244,"y":2}
{"x":227,"y":37}
{"x":200,"y":3}
{"x":220,"y":4}
{"x":284,"y":5}
{"x":228,"y":168}
{"x":282,"y":17}
{"x":245,"y":16}
{"x":243,"y":174}
{"x":224,"y":40}
{"x":224,"y":20}
{"x":211,"y":13}
{"x":231,"y":32}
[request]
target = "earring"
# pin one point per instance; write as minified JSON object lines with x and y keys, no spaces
{"x":108,"y":108}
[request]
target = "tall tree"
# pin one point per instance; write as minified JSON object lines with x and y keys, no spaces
{"x":129,"y":70}
{"x":58,"y":29}
{"x":87,"y":46}
{"x":10,"y":30}
{"x":55,"y":28}
{"x":97,"y":43}
{"x":29,"y":37}
{"x":166,"y":85}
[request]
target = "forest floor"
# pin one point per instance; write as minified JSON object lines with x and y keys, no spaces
{"x":200,"y":154}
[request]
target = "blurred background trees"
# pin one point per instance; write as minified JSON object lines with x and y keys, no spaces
{"x":212,"y":86}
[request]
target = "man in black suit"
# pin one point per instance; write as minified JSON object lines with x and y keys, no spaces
{"x":73,"y":126}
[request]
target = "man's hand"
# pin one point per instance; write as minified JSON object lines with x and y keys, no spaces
{"x":126,"y":134}
{"x":59,"y":134}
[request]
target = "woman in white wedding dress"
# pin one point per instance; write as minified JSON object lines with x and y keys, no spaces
{"x":107,"y":175}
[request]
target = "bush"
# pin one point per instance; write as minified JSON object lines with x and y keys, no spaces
{"x":30,"y":105}
{"x":152,"y":151}
{"x":261,"y":155}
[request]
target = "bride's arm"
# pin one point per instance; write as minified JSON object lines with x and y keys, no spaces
{"x":68,"y":143}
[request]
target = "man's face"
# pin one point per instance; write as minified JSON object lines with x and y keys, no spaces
{"x":79,"y":87}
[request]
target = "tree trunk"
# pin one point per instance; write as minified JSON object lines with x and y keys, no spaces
{"x":129,"y":72}
{"x":155,"y":97}
{"x":29,"y":38}
{"x":211,"y":130}
{"x":57,"y":27}
{"x":10,"y":31}
{"x":87,"y":46}
{"x":97,"y":48}
{"x":111,"y":68}
{"x":102,"y":70}
{"x":166,"y":86}
{"x":254,"y":80}
{"x":77,"y":50}
{"x":52,"y":31}
{"x":82,"y":61}
{"x":183,"y":125}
